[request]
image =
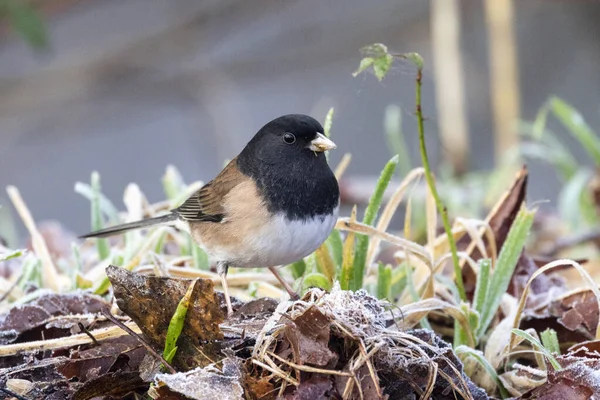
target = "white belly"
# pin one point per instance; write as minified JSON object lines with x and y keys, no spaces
{"x":279,"y":243}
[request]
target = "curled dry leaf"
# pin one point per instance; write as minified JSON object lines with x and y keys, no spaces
{"x":151,"y":302}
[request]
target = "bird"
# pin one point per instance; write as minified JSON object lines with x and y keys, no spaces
{"x":273,"y":204}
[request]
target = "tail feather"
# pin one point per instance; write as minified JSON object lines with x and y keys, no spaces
{"x":118,"y":229}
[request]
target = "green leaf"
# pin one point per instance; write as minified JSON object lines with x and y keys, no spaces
{"x":362,"y":241}
{"x":382,"y":65}
{"x":316,"y":279}
{"x":415,"y":58}
{"x":26,"y":21}
{"x":364,"y":64}
{"x":550,"y":341}
{"x":575,"y":123}
{"x":377,"y":56}
{"x":536,"y":343}
{"x":506,"y":263}
{"x":176,"y":323}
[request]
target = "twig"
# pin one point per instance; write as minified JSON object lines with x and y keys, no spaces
{"x":84,"y":330}
{"x":418,"y":61}
{"x":121,"y":325}
{"x":573,"y":240}
{"x":13,"y":394}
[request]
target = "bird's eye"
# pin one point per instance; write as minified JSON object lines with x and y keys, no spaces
{"x":289,"y":138}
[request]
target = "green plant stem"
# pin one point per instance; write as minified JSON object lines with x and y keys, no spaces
{"x":418,"y":61}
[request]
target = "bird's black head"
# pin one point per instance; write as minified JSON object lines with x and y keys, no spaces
{"x":287,"y":139}
{"x":287,"y":160}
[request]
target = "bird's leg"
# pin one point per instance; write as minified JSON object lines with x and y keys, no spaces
{"x":286,"y":286}
{"x":222,"y":268}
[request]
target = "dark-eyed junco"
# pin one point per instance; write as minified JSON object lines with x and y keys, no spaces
{"x":274,"y":204}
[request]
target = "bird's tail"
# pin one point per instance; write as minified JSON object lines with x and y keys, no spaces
{"x":118,"y":229}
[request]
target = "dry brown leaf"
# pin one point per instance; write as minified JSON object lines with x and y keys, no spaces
{"x":151,"y":302}
{"x":48,"y":316}
{"x":308,"y":335}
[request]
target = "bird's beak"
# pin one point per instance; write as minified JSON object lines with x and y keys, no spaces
{"x":321,"y":143}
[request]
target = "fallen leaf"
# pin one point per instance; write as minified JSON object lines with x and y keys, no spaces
{"x":151,"y":302}
{"x":122,"y":354}
{"x":308,"y":335}
{"x":577,"y":380}
{"x":118,"y":383}
{"x":316,"y":387}
{"x":30,"y":321}
{"x":207,"y":383}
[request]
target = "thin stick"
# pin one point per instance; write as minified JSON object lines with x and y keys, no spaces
{"x":418,"y":61}
{"x":84,"y":330}
{"x":121,"y":325}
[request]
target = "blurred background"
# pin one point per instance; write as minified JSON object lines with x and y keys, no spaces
{"x":128,"y":87}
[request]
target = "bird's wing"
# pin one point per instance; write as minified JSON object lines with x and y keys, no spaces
{"x":206,"y":204}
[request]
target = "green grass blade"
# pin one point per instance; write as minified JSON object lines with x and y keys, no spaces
{"x":176,"y":324}
{"x":173,"y":183}
{"x":536,"y":343}
{"x":106,"y":205}
{"x":482,"y":284}
{"x":395,"y":138}
{"x":200,"y":257}
{"x":384,"y":281}
{"x":577,"y":126}
{"x":347,"y":273}
{"x":362,"y":241}
{"x":101,"y":244}
{"x":505,"y":266}
{"x":550,"y":341}
{"x":336,"y":248}
{"x":325,"y":262}
{"x":574,"y":203}
{"x":12,"y":254}
{"x":480,"y":358}
{"x":328,"y":122}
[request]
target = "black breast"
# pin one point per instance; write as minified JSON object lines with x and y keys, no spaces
{"x":302,"y":188}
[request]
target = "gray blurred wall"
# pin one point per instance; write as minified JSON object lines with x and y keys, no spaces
{"x":128,"y":87}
